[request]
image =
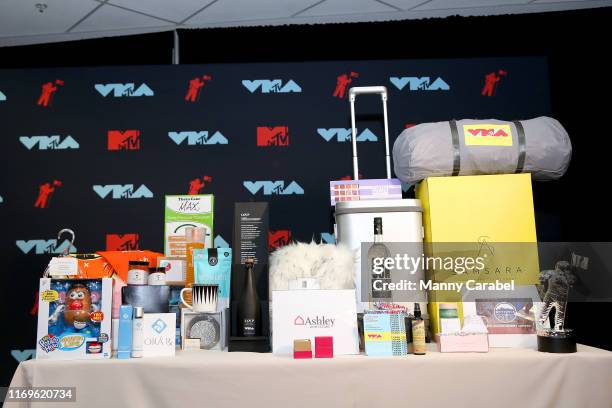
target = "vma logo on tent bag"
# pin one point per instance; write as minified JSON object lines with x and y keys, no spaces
{"x":273,"y":187}
{"x":54,"y":142}
{"x":123,"y":140}
{"x":121,"y":90}
{"x":45,"y":246}
{"x":487,"y":135}
{"x":344,"y":135}
{"x":118,"y":192}
{"x":419,"y":83}
{"x":271,"y":86}
{"x":195,"y":138}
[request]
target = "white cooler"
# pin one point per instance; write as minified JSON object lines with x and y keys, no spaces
{"x":402,"y":221}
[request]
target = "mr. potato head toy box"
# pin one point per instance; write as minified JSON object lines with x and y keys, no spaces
{"x":74,"y":319}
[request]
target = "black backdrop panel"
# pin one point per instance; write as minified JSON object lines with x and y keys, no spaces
{"x":54,"y":155}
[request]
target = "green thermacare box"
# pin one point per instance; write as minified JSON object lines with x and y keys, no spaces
{"x":182,"y":211}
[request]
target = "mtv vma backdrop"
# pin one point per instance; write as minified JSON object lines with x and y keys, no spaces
{"x":96,"y":149}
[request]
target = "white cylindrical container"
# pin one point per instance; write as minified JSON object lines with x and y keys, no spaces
{"x":138,"y":272}
{"x":402,"y":221}
{"x":157,"y":276}
{"x":137,"y":332}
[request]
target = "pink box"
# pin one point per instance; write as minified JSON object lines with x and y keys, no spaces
{"x":324,"y":347}
{"x":463,"y":343}
{"x":302,"y":354}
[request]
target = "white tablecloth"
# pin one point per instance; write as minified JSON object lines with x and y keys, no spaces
{"x":500,"y":378}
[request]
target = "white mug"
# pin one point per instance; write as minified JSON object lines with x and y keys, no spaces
{"x":204,"y":297}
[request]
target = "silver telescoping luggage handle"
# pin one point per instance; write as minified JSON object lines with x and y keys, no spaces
{"x":364,"y":90}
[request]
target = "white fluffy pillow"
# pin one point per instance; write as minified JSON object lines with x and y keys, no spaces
{"x":332,"y":265}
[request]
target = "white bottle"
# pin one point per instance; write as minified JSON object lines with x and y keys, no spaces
{"x":137,"y":332}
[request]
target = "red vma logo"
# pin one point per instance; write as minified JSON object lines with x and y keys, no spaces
{"x":488,"y":132}
{"x":342,"y":81}
{"x":45,"y":191}
{"x":196,"y":185}
{"x":272,"y":136}
{"x":47,"y":91}
{"x":277,"y":239}
{"x":122,"y":242}
{"x":195,"y":86}
{"x":491,"y":81}
{"x":124,"y":140}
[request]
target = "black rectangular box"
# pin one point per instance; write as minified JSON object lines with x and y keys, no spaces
{"x":256,"y":344}
{"x":250,"y":239}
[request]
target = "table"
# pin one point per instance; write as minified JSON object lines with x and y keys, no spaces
{"x":500,"y":378}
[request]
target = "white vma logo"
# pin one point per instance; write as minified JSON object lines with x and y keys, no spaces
{"x":120,"y":90}
{"x":345,"y":135}
{"x":118,"y":191}
{"x":271,"y":86}
{"x":195,"y":138}
{"x":419,"y":83}
{"x":273,"y":187}
{"x":45,"y":246}
{"x":54,"y":142}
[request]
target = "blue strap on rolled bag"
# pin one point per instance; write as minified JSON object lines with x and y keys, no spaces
{"x":539,"y":146}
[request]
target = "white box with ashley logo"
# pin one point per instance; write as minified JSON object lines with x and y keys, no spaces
{"x":305,"y":314}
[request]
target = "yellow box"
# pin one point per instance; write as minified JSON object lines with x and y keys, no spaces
{"x":469,"y":210}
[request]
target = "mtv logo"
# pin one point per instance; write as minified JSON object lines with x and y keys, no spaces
{"x":45,"y":246}
{"x":419,"y":83}
{"x":2,"y":97}
{"x":277,"y":239}
{"x":123,"y":140}
{"x":120,"y":90}
{"x":195,"y":138}
{"x":273,"y":136}
{"x":271,"y":86}
{"x":54,"y":142}
{"x":118,"y":191}
{"x":345,"y":135}
{"x":122,"y":242}
{"x":273,"y":187}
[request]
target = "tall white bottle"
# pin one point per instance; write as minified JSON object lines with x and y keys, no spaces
{"x":137,"y":332}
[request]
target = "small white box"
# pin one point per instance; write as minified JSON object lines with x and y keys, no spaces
{"x":159,"y":334}
{"x":208,"y":328}
{"x":176,"y":269}
{"x":305,"y":314}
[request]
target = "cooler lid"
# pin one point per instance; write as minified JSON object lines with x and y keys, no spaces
{"x":378,"y":206}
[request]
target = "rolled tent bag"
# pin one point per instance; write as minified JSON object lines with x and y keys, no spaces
{"x":539,"y":146}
